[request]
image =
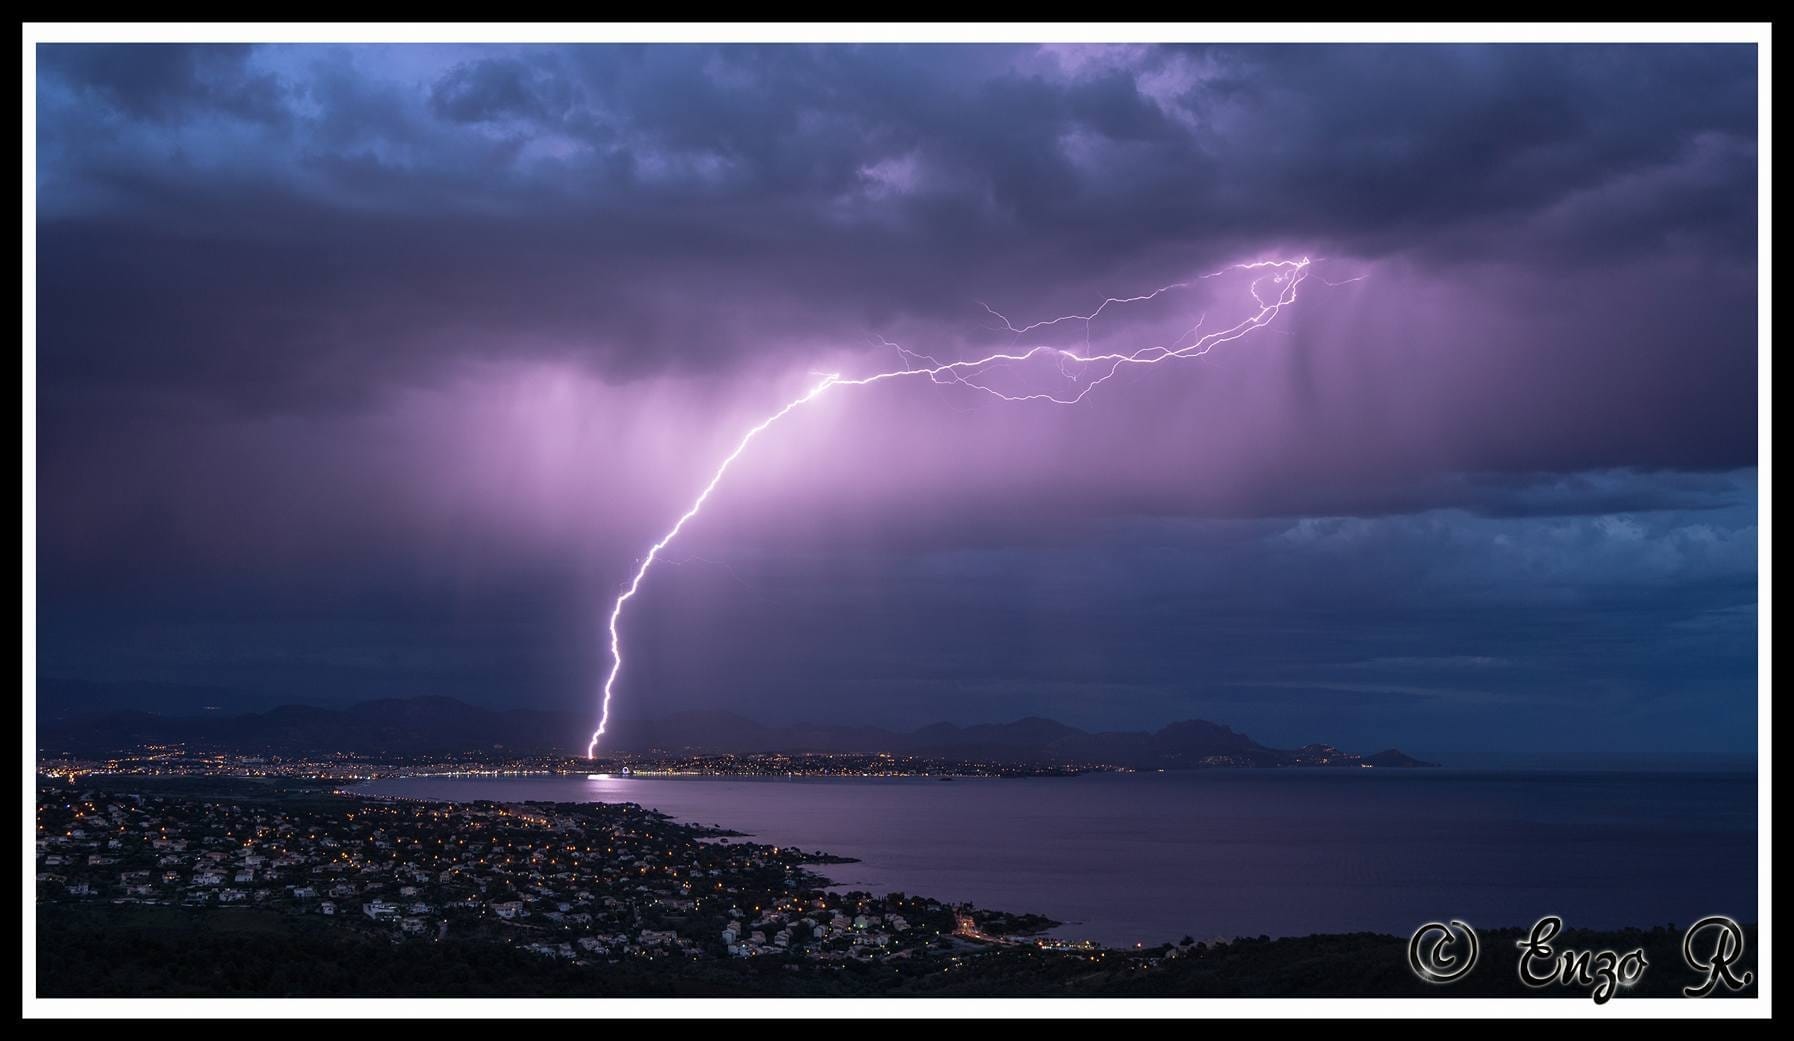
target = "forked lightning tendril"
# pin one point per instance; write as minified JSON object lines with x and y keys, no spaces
{"x":1285,"y":275}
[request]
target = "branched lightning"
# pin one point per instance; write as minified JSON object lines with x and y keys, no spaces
{"x":1284,"y":275}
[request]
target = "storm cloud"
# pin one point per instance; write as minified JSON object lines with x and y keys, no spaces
{"x":434,"y":340}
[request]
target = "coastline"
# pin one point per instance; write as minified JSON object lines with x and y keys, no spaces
{"x":960,"y":949}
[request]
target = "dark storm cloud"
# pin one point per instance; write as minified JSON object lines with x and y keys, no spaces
{"x":165,"y":83}
{"x":495,"y":89}
{"x":299,"y":229}
{"x":874,"y":184}
{"x":456,"y":321}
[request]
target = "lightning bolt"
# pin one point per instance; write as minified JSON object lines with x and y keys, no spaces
{"x":1285,"y":275}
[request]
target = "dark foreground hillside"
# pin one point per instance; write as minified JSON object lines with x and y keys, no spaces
{"x":119,"y":951}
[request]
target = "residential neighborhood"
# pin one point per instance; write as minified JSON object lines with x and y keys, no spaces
{"x":585,"y":883}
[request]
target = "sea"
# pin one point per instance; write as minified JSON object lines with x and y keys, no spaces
{"x":1148,"y":858}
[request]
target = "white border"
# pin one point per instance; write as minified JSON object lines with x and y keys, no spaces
{"x":1757,"y":33}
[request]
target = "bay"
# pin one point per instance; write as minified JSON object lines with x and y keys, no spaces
{"x":1125,"y":858}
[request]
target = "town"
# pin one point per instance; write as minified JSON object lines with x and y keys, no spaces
{"x":182,"y":760}
{"x":580,"y":882}
{"x":271,"y":885}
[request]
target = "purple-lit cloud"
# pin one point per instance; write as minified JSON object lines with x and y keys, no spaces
{"x":441,"y":329}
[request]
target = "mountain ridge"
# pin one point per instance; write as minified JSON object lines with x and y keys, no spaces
{"x":436,"y":724}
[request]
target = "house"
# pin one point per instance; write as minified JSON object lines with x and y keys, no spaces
{"x":327,"y":908}
{"x":509,"y":909}
{"x":380,"y":910}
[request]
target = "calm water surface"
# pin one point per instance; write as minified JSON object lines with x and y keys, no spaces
{"x":1126,"y":858}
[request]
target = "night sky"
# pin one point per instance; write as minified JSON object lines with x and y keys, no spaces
{"x":371,"y":371}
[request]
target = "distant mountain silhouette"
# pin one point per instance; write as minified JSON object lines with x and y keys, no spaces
{"x":434,"y":725}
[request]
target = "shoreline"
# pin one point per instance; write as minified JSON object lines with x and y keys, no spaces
{"x":643,"y":938}
{"x":1133,"y":924}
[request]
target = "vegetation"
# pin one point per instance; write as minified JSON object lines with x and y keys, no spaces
{"x":114,"y":951}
